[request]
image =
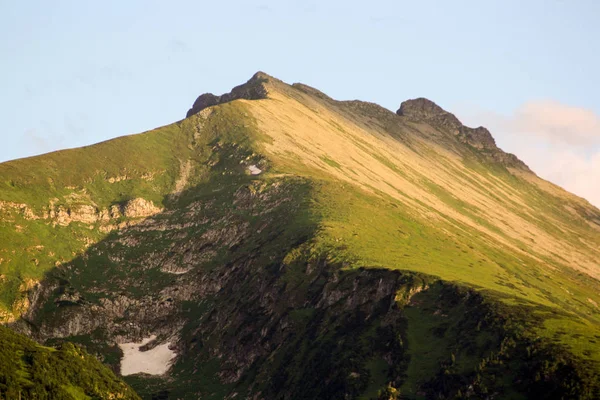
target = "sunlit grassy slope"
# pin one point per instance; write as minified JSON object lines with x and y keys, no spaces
{"x":398,"y":194}
{"x":152,"y":166}
{"x":385,"y":191}
{"x":156,"y":166}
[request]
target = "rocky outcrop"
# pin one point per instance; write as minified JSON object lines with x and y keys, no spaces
{"x":21,"y":208}
{"x":424,"y":110}
{"x":479,"y":138}
{"x":115,"y":211}
{"x":64,"y":215}
{"x":139,"y":207}
{"x":254,"y":89}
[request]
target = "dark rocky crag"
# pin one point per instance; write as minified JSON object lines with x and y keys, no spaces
{"x":424,"y":110}
{"x":254,"y":89}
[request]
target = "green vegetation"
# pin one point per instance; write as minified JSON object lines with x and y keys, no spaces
{"x":28,"y":371}
{"x":363,"y":274}
{"x":467,"y":342}
{"x":407,"y":242}
{"x":331,"y":162}
{"x":144,"y":166}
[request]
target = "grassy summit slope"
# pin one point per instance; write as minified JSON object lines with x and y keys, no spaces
{"x":401,"y":249}
{"x":436,"y":176}
{"x":407,"y":195}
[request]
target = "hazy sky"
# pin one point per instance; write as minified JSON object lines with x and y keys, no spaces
{"x":78,"y":72}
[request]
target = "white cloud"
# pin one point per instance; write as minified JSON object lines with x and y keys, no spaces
{"x":45,"y":136}
{"x":38,"y":143}
{"x":560,"y":143}
{"x":566,"y":166}
{"x":558,"y":122}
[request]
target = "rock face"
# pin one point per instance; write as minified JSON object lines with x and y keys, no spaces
{"x":254,"y":89}
{"x":139,"y":208}
{"x":23,"y":209}
{"x":479,"y":138}
{"x":86,"y":214}
{"x":424,"y":110}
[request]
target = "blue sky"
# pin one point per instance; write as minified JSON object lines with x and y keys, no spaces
{"x":75,"y":73}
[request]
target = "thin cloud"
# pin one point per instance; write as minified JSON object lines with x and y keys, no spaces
{"x":560,"y":143}
{"x":566,"y":166}
{"x":558,"y":122}
{"x":178,"y":46}
{"x":382,"y":19}
{"x":38,"y":143}
{"x":94,"y":75}
{"x":47,"y":137}
{"x":73,"y":126}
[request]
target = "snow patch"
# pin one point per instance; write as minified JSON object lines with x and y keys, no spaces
{"x":176,"y":271}
{"x":254,"y":170}
{"x":155,"y":361}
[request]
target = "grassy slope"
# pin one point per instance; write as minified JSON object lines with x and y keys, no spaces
{"x":98,"y":274}
{"x":385,"y":192}
{"x":433,"y":211}
{"x":28,"y":370}
{"x":145,"y":165}
{"x":513,"y":236}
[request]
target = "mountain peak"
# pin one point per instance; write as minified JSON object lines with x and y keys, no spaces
{"x":420,"y":104}
{"x":260,"y":75}
{"x":253,"y":89}
{"x":422,"y":109}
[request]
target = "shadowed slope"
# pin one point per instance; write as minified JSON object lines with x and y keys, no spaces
{"x":31,"y":371}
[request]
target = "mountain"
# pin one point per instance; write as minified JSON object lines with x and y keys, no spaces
{"x":279,"y":244}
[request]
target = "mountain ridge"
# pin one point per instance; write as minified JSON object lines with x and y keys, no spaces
{"x":417,"y":110}
{"x":422,"y":109}
{"x":253,"y":89}
{"x":372,"y":252}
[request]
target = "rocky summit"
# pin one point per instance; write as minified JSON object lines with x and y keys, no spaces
{"x":280,"y":244}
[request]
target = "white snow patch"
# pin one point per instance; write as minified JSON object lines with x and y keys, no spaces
{"x":176,"y":272}
{"x":155,"y":361}
{"x":254,"y":170}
